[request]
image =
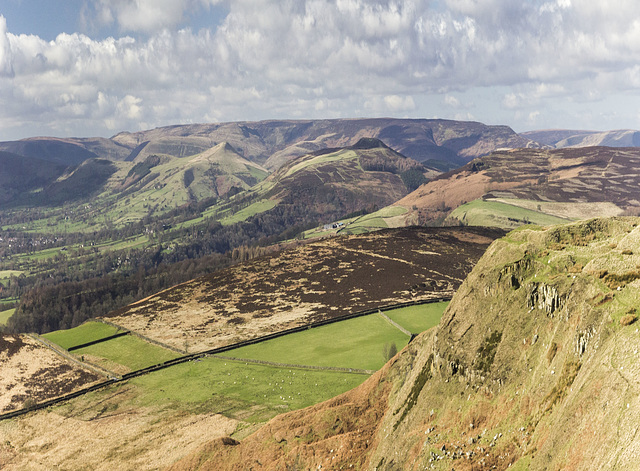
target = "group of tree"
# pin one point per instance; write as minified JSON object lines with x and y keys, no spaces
{"x":88,"y":284}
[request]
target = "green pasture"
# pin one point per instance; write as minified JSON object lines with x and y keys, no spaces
{"x":85,"y":333}
{"x":373,"y":221}
{"x":129,"y":243}
{"x":322,"y":159}
{"x":353,"y":343}
{"x":236,"y":388}
{"x":494,"y":213}
{"x":5,"y":315}
{"x":6,"y":274}
{"x":40,"y":254}
{"x":129,"y":351}
{"x":251,"y":210}
{"x":418,"y":318}
{"x":388,"y":212}
{"x":368,"y":223}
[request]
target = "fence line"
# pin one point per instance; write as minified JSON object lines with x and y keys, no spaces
{"x":95,"y":342}
{"x":394,"y":324}
{"x":300,"y":367}
{"x":65,"y":354}
{"x":195,"y":356}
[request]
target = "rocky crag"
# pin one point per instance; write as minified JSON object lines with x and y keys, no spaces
{"x":533,"y":366}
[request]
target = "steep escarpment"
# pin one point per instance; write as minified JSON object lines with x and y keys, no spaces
{"x":534,"y":365}
{"x":534,"y":362}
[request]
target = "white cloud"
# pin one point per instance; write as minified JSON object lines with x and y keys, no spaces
{"x":314,"y":58}
{"x":141,"y":15}
{"x":533,"y":117}
{"x":452,"y":101}
{"x":130,"y":108}
{"x":6,"y":68}
{"x":396,"y":103}
{"x":512,"y":100}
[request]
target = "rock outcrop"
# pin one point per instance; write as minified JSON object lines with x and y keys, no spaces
{"x":534,"y":365}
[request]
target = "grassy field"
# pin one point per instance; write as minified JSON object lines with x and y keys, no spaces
{"x":419,"y":318}
{"x":129,"y":351}
{"x":237,"y":388}
{"x":374,"y":221}
{"x":255,"y":208}
{"x":322,"y":159}
{"x":87,"y":332}
{"x":6,"y":274}
{"x":354,"y":343}
{"x":493,"y":213}
{"x":5,"y":315}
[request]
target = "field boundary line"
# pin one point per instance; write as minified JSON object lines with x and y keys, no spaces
{"x":147,"y":339}
{"x":68,"y":356}
{"x":95,"y":342}
{"x":196,"y":356}
{"x":291,"y":365}
{"x":394,"y":324}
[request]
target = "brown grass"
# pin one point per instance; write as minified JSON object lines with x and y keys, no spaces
{"x":30,"y":371}
{"x":135,"y":439}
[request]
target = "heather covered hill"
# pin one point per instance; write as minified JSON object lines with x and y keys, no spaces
{"x":533,"y":365}
{"x":315,"y":281}
{"x":339,"y":181}
{"x":510,"y":188}
{"x":32,"y":373}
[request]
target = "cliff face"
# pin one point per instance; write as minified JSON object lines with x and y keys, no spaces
{"x":534,"y":366}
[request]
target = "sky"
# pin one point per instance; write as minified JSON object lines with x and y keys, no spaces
{"x":80,"y":68}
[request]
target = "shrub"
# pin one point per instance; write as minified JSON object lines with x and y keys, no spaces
{"x":613,"y":280}
{"x":389,"y":350}
{"x":628,"y":319}
{"x":551,"y":353}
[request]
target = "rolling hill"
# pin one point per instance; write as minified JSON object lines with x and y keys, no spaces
{"x":163,"y":180}
{"x":509,"y":188}
{"x":150,"y":183}
{"x":559,"y":138}
{"x":446,"y":144}
{"x":365,"y":174}
{"x":66,"y":151}
{"x":326,"y":185}
{"x":20,"y":176}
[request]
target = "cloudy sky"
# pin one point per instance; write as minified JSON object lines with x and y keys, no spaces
{"x":97,"y":67}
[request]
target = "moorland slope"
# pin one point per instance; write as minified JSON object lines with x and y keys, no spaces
{"x":564,"y":183}
{"x":533,"y":366}
{"x":151,"y":421}
{"x":315,"y":281}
